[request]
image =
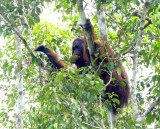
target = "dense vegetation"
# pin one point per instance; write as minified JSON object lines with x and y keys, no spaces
{"x":65,"y":98}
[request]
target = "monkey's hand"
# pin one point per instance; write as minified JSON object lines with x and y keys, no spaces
{"x":87,"y":25}
{"x":45,"y":50}
{"x":41,"y":48}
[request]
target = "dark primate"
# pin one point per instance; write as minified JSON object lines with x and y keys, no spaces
{"x":118,"y":84}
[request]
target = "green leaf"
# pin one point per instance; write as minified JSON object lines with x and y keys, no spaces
{"x":11,"y":104}
{"x":4,"y":66}
{"x":10,"y":70}
{"x":154,"y":78}
{"x":119,"y":71}
{"x":113,"y":79}
{"x":1,"y":54}
{"x":69,"y":88}
{"x":115,"y":100}
{"x":74,"y":2}
{"x":36,"y":18}
{"x":122,"y":83}
{"x":38,"y":10}
{"x":149,"y":119}
{"x":89,"y":76}
{"x":110,"y":66}
{"x":34,"y":60}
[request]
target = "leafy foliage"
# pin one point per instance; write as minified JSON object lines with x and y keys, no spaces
{"x":69,"y":98}
{"x":53,"y":37}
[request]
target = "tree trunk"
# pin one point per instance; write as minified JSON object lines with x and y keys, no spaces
{"x":19,"y":79}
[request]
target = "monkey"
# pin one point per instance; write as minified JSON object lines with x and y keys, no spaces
{"x":120,"y":84}
{"x":115,"y":83}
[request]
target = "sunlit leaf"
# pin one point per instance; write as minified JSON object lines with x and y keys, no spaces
{"x":116,"y":101}
{"x":149,"y":119}
{"x":119,"y":71}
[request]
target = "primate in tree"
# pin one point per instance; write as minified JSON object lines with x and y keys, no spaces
{"x":116,"y":83}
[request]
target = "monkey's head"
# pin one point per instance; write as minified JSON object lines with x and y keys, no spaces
{"x":79,"y":50}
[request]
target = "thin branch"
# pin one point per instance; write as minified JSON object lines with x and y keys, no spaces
{"x":151,"y":107}
{"x":147,"y":18}
{"x":17,"y":32}
{"x":147,"y":24}
{"x":90,"y":125}
{"x":129,"y":50}
{"x":102,"y":120}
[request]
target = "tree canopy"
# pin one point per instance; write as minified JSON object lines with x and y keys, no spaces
{"x":33,"y":95}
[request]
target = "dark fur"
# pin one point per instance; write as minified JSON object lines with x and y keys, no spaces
{"x":78,"y":49}
{"x":53,"y":57}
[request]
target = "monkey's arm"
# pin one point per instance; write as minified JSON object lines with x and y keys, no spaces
{"x":89,"y":27}
{"x":53,"y":57}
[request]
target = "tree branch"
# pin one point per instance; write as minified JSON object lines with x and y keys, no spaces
{"x":103,"y":35}
{"x":135,"y":61}
{"x":151,"y":107}
{"x":17,"y":32}
{"x":145,"y":26}
{"x":147,"y":18}
{"x":88,"y":34}
{"x":102,"y":23}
